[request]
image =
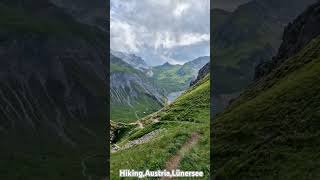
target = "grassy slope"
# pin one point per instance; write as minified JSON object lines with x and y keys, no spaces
{"x":176,"y":130}
{"x":168,"y":79}
{"x":272,"y":130}
{"x":145,"y":105}
{"x":141,"y":107}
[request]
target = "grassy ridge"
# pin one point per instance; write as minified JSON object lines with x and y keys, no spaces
{"x":167,"y":77}
{"x":154,"y":154}
{"x":192,"y":106}
{"x":272,"y":130}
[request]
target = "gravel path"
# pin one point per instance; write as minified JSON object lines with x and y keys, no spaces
{"x":145,"y":138}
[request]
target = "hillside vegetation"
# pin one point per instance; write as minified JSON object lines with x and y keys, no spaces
{"x":272,"y":130}
{"x":173,"y":125}
{"x":173,"y":78}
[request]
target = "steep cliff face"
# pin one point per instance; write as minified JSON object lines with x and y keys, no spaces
{"x":296,"y":36}
{"x":132,"y":93}
{"x":52,"y":90}
{"x":274,"y":125}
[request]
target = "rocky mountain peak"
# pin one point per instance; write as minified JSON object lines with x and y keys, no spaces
{"x":167,"y":64}
{"x":135,"y":61}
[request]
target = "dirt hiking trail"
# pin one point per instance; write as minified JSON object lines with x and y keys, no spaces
{"x":174,"y":161}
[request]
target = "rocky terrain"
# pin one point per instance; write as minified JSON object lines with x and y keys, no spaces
{"x":201,"y":74}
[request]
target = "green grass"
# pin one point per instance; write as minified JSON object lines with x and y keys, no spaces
{"x":199,"y":154}
{"x":151,"y":155}
{"x":154,"y":154}
{"x":272,"y":130}
{"x":192,"y":106}
{"x":168,"y":78}
{"x":140,"y":108}
{"x":121,"y":129}
{"x":118,"y":65}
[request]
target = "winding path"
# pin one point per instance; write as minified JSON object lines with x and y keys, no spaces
{"x":174,"y":161}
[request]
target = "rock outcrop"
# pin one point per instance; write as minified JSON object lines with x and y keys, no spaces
{"x":202,"y":73}
{"x":296,"y":35}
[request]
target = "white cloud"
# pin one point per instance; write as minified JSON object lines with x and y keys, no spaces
{"x":124,"y":41}
{"x":160,"y":26}
{"x":170,"y":40}
{"x":180,"y":9}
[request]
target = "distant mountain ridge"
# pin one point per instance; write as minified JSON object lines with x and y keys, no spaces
{"x":174,"y":78}
{"x":135,"y":61}
{"x":194,"y":66}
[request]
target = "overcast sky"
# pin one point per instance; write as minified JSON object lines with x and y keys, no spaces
{"x":176,"y":31}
